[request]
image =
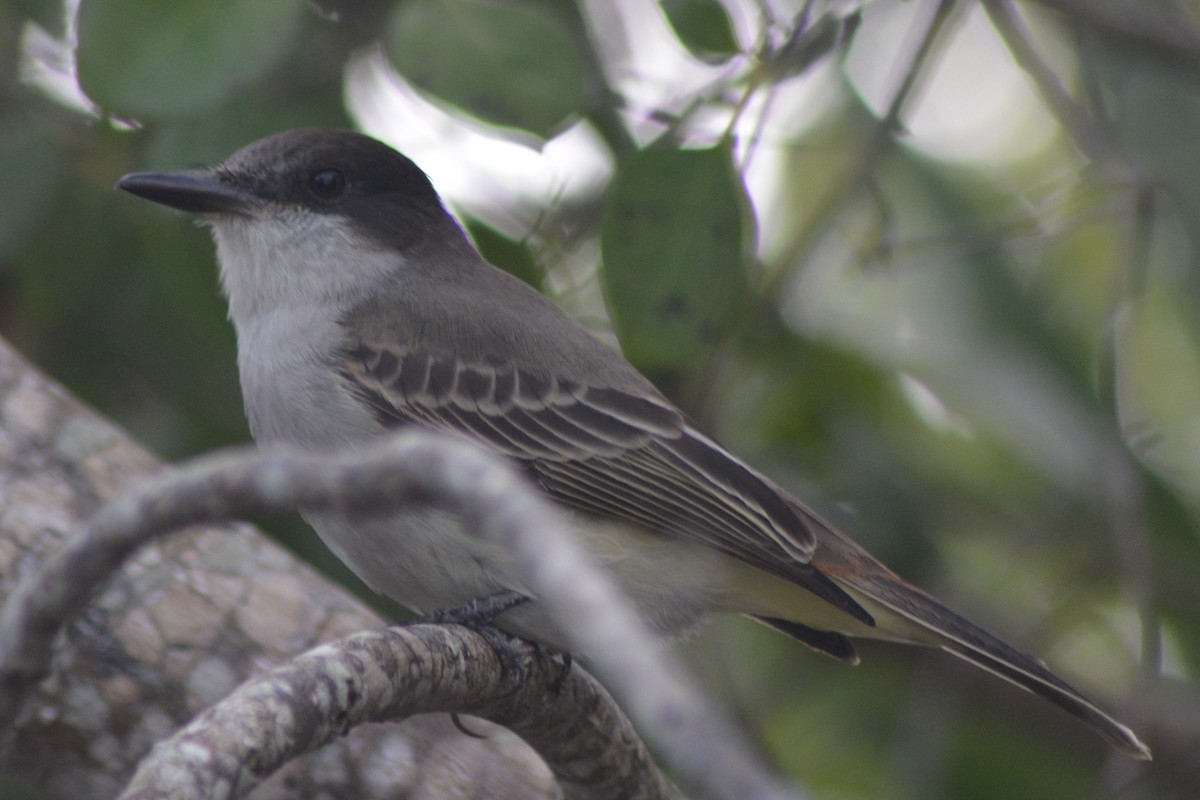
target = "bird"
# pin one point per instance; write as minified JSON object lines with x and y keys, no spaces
{"x":362,"y":307}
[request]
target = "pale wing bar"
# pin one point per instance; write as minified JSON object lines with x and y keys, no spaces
{"x":602,"y":451}
{"x":547,"y":420}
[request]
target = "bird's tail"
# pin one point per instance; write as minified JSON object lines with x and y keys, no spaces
{"x":898,"y":611}
{"x":887,"y":596}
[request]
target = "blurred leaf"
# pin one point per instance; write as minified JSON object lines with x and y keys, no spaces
{"x":219,"y":132}
{"x":813,"y":42}
{"x":58,"y":285}
{"x":1026,"y":382}
{"x":32,"y":172}
{"x":505,"y":62}
{"x":1155,"y":107}
{"x":996,"y":764}
{"x":703,"y":27}
{"x":674,"y":247}
{"x":511,"y":256}
{"x":49,"y":14}
{"x":1158,"y":393}
{"x":149,"y":60}
{"x":127,"y":313}
{"x":816,"y":735}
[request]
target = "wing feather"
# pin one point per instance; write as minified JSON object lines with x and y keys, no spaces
{"x":601,"y":450}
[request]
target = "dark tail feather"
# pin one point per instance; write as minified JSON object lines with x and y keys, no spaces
{"x":824,"y":587}
{"x":971,"y":643}
{"x":1031,"y":676}
{"x":827,"y":642}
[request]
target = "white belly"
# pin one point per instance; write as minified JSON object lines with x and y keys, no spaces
{"x":423,"y":560}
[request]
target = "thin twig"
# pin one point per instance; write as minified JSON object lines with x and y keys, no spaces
{"x":1093,"y":139}
{"x":865,"y":161}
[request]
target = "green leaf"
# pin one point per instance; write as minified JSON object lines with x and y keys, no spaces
{"x":512,"y":256}
{"x":703,"y":27}
{"x":150,"y":60}
{"x":674,"y":242}
{"x":811,"y":43}
{"x":217,"y":133}
{"x":504,"y":62}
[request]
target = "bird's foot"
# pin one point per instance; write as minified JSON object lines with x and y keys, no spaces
{"x":456,"y":718}
{"x":566,"y":660}
{"x":478,"y":613}
{"x":514,"y":652}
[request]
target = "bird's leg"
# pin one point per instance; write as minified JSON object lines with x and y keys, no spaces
{"x":560,"y":679}
{"x":513,"y":651}
{"x":479,"y":615}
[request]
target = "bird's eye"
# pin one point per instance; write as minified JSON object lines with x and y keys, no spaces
{"x":327,"y":183}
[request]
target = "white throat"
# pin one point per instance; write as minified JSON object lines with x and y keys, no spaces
{"x":287,"y":259}
{"x":290,"y":276}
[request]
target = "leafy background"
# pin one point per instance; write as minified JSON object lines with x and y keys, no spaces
{"x":935,"y":266}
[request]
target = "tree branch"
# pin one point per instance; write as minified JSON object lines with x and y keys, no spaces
{"x":388,"y":675}
{"x":708,"y":756}
{"x":180,"y":625}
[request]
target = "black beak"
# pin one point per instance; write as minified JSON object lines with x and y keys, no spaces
{"x":194,"y":191}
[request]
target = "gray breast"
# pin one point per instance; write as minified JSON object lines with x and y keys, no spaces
{"x":293,"y":391}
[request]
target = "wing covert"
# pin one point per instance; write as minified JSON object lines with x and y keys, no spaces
{"x":600,"y":450}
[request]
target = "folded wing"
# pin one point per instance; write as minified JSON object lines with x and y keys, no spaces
{"x":604,"y":451}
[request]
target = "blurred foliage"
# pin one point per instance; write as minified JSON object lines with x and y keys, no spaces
{"x":682,"y":212}
{"x":702,"y":26}
{"x":218,"y":44}
{"x":491,"y":59}
{"x":986,"y":360}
